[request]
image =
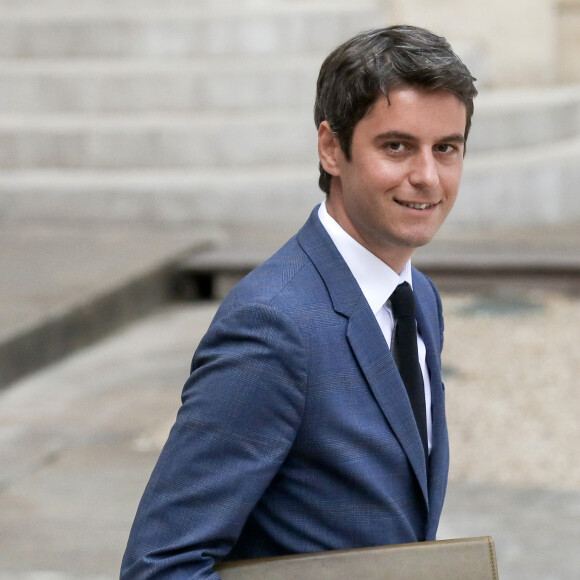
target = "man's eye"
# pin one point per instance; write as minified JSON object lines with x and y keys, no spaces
{"x":445,"y":148}
{"x":395,"y":146}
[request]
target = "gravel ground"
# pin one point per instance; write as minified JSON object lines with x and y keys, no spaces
{"x":511,"y":371}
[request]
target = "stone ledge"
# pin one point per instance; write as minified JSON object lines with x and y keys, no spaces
{"x":65,"y":285}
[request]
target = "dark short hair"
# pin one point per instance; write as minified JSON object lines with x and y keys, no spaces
{"x":373,"y":63}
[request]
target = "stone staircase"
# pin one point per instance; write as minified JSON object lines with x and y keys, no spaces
{"x":142,"y":110}
{"x":199,"y":111}
{"x":523,"y":160}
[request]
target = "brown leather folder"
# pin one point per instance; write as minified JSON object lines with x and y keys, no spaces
{"x":461,"y":559}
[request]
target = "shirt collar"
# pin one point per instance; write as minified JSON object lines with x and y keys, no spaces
{"x":376,"y":280}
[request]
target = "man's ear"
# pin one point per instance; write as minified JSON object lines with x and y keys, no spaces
{"x":328,"y":149}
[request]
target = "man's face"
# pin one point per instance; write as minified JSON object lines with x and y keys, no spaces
{"x":403,"y":175}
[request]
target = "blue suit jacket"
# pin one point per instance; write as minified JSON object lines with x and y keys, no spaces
{"x":295,"y":433}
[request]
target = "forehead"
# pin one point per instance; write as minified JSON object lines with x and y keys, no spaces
{"x":408,"y":109}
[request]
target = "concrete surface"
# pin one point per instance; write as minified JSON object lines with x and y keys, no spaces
{"x":64,"y":285}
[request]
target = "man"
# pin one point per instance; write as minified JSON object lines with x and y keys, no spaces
{"x":297,"y":433}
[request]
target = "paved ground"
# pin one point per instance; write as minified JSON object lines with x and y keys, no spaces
{"x":65,"y":285}
{"x":511,"y":368}
{"x":78,"y":439}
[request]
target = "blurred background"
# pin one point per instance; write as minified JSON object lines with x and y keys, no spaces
{"x":151,"y":153}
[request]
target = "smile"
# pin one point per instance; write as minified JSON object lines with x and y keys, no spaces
{"x":417,"y":205}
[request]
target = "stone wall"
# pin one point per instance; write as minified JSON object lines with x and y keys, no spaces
{"x":513,"y":44}
{"x":568,"y":41}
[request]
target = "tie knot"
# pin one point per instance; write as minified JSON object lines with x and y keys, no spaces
{"x":402,"y":301}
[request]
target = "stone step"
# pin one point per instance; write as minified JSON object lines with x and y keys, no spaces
{"x":157,"y":140}
{"x":182,"y":30}
{"x":457,"y":258}
{"x":23,"y":7}
{"x":536,"y":185}
{"x":133,"y":85}
{"x":503,"y":122}
{"x":532,"y":185}
{"x":518,"y":118}
{"x":281,"y":194}
{"x":65,"y":286}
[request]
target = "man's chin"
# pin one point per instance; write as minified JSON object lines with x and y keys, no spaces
{"x":416,"y":241}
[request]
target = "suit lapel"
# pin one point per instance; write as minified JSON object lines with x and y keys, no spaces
{"x":367,"y":343}
{"x":427,"y":323}
{"x":380,"y":370}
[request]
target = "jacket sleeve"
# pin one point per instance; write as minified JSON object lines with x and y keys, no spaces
{"x":241,"y":408}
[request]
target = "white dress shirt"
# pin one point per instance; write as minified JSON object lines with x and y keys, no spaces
{"x":377,"y":282}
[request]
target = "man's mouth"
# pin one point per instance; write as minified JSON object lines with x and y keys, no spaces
{"x":417,"y":205}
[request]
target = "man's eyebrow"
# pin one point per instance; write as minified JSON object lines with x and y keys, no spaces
{"x":455,"y":138}
{"x":395,"y":136}
{"x":402,"y":136}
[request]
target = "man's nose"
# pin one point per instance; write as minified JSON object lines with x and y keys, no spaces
{"x":424,"y":170}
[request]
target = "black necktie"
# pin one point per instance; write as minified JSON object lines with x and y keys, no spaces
{"x":406,"y":355}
